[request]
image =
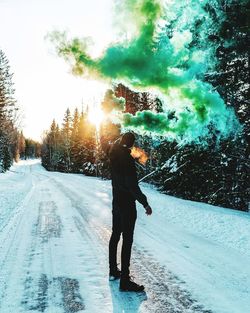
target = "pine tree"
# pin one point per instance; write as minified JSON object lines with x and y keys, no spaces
{"x":66,"y":140}
{"x":75,"y":142}
{"x":54,"y":145}
{"x":137,"y":101}
{"x":32,"y":149}
{"x":51,"y":149}
{"x":21,"y":145}
{"x":8,"y":132}
{"x":87,"y":145}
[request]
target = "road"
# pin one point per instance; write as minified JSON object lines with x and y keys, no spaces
{"x":54,"y":236}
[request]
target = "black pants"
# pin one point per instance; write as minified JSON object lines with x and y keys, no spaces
{"x":124,"y":217}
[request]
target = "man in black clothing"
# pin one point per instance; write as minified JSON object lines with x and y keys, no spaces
{"x":125,"y":192}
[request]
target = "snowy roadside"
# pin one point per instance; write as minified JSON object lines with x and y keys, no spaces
{"x":54,"y":231}
{"x":224,"y":226}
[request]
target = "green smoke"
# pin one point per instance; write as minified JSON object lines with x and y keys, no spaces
{"x":112,"y":103}
{"x":152,"y":60}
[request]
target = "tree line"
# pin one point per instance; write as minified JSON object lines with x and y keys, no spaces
{"x":214,"y":173}
{"x":13,"y":144}
{"x":70,"y":148}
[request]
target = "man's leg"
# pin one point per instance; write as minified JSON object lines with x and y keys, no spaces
{"x":128,"y":219}
{"x":114,"y":239}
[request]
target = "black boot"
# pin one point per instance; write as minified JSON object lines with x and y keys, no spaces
{"x":114,"y":274}
{"x":126,"y":284}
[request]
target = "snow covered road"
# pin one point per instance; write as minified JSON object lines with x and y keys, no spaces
{"x":54,"y":232}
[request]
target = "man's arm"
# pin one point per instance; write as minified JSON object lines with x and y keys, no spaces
{"x":131,"y":181}
{"x":132,"y":185}
{"x":138,"y":194}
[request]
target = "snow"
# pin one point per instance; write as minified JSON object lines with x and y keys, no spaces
{"x":54,"y":232}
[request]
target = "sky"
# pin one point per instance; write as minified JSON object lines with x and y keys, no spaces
{"x":43,"y":82}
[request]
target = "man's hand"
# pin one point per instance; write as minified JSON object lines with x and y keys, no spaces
{"x":148,"y":210}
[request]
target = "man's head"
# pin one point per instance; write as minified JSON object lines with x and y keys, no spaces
{"x":128,"y":140}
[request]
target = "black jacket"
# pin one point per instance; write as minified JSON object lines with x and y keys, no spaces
{"x":123,"y":173}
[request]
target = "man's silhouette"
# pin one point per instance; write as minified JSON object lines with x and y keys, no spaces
{"x":125,"y":192}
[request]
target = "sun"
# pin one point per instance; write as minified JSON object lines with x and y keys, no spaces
{"x":96,"y":116}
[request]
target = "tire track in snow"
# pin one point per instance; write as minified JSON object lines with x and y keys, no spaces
{"x":49,"y":223}
{"x":44,"y":290}
{"x":22,"y":253}
{"x":10,"y":244}
{"x":65,"y":289}
{"x":27,"y":279}
{"x":36,"y":284}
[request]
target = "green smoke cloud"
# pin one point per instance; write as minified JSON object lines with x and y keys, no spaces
{"x":112,"y":103}
{"x":166,"y":65}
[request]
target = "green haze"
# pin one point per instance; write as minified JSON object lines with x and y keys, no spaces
{"x":169,"y":66}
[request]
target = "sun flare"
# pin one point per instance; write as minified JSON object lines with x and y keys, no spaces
{"x":96,"y":116}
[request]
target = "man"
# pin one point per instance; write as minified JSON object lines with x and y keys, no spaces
{"x":125,"y":192}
